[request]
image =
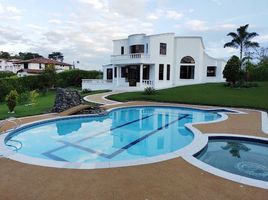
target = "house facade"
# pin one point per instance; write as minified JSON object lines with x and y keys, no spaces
{"x":10,"y":65}
{"x":159,"y":61}
{"x":37,"y":65}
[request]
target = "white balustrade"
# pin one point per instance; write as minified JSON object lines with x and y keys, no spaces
{"x":147,"y":83}
{"x":131,"y":56}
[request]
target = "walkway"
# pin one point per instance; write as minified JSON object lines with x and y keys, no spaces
{"x":100,"y":98}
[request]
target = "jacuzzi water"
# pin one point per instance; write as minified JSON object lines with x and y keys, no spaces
{"x":122,"y":134}
{"x":245,"y":158}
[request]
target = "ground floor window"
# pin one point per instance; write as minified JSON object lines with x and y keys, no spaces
{"x":146,"y":72}
{"x":211,"y":71}
{"x":109,"y":74}
{"x":161,"y":72}
{"x":168,"y":72}
{"x":187,"y":72}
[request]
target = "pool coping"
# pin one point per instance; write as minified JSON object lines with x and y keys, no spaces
{"x":198,"y":142}
{"x":191,"y":159}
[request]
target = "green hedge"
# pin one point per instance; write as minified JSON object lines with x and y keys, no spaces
{"x":5,"y":74}
{"x":74,"y":77}
{"x":28,"y":83}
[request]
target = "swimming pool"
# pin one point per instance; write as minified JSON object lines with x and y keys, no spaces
{"x":246,"y":157}
{"x":123,"y":134}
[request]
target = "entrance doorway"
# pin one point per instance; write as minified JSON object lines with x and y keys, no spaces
{"x":133,"y":75}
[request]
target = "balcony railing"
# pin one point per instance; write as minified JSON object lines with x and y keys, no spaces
{"x":148,"y":83}
{"x":130,"y":56}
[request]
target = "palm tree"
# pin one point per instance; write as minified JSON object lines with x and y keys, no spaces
{"x":241,"y":40}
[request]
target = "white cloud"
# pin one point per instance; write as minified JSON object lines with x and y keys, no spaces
{"x":261,"y":38}
{"x":218,"y":2}
{"x":55,"y":21}
{"x":165,"y":13}
{"x":173,"y":14}
{"x":13,"y":9}
{"x":201,"y":26}
{"x":197,"y":25}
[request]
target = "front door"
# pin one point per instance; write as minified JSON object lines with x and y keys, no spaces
{"x":133,"y":75}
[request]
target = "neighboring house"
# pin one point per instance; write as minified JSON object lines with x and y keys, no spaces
{"x":159,"y":61}
{"x":37,"y":66}
{"x":9,"y":65}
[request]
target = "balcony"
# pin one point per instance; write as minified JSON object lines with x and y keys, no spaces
{"x":133,"y":58}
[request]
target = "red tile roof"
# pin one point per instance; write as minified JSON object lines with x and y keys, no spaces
{"x":43,"y":61}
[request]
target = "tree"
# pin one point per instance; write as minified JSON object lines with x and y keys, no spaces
{"x":58,"y":56}
{"x":12,"y":99}
{"x":242,"y":40}
{"x":28,"y":56}
{"x":4,"y":55}
{"x":232,"y":71}
{"x":49,"y":76}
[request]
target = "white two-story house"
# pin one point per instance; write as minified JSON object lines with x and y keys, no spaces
{"x":159,"y":61}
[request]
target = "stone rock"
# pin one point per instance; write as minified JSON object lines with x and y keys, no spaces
{"x":65,"y":99}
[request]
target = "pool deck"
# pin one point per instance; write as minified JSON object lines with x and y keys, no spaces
{"x":172,"y":179}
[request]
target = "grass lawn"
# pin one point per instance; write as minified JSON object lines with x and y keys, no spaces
{"x":44,"y":105}
{"x":206,"y":94}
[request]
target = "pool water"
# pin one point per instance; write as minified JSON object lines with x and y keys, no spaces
{"x":122,"y":134}
{"x":245,"y":158}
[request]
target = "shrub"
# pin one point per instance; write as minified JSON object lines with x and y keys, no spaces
{"x":85,"y":91}
{"x":24,"y":97}
{"x":12,"y":99}
{"x":5,"y":74}
{"x":149,"y":91}
{"x":232,"y":71}
{"x":33,"y":96}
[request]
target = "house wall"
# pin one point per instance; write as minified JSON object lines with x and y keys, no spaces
{"x":6,"y":65}
{"x":188,"y":46}
{"x":177,"y":48}
{"x":157,"y":59}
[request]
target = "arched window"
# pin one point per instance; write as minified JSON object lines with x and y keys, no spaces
{"x":187,"y":60}
{"x":187,"y":68}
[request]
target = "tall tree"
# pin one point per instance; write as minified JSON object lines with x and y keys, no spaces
{"x":242,"y":40}
{"x":28,"y":55}
{"x":56,"y":56}
{"x":4,"y":55}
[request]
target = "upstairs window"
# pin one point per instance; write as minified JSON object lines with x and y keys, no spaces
{"x":137,"y":48}
{"x":211,"y":71}
{"x":122,"y":50}
{"x":161,"y":72}
{"x":187,"y":60}
{"x":40,"y":66}
{"x":147,"y":48}
{"x":168,"y":72}
{"x":163,"y":49}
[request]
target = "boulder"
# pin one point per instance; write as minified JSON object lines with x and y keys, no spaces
{"x":65,"y":99}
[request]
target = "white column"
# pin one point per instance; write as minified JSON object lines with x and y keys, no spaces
{"x":141,"y":74}
{"x":118,"y":75}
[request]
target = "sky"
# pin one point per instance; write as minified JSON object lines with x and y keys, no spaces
{"x":83,"y":30}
